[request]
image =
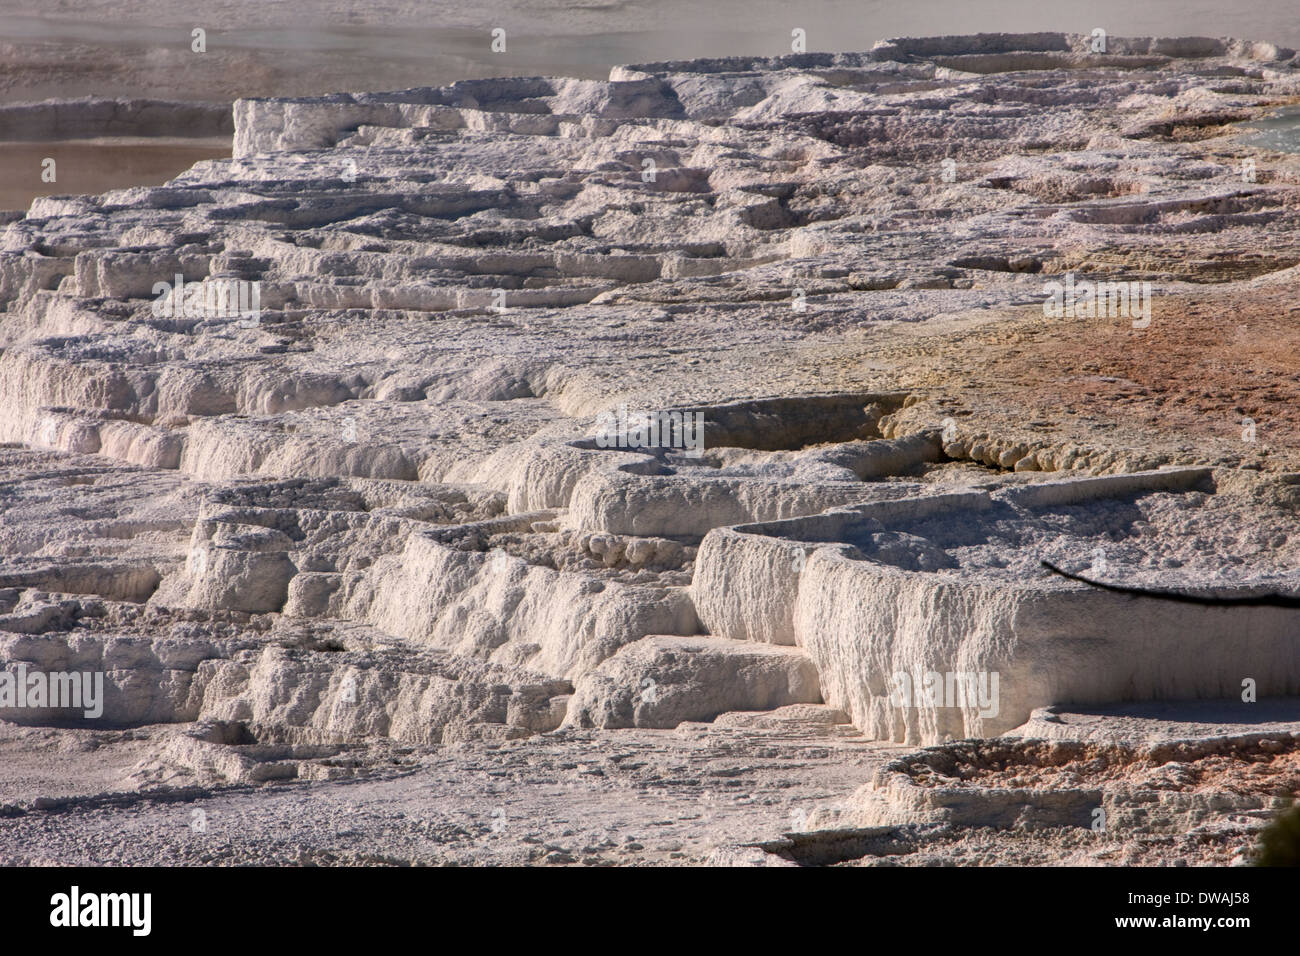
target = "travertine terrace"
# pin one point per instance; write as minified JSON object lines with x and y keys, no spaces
{"x":377,"y":533}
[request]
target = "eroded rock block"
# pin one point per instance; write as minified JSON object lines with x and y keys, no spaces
{"x":662,"y":681}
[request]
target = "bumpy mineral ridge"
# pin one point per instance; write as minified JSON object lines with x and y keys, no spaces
{"x":387,"y":567}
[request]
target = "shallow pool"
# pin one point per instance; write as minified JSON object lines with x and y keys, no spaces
{"x":1279,"y":131}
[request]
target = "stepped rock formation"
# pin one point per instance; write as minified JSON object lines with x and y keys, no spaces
{"x":328,"y":458}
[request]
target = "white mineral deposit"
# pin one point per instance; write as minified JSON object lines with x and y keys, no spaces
{"x":882,"y":457}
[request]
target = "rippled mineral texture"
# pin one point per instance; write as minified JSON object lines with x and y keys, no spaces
{"x":330,"y":464}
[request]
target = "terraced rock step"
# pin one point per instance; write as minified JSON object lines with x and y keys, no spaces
{"x":711,"y":408}
{"x":664,"y":681}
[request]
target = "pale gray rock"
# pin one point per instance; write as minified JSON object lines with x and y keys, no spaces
{"x":376,"y":530}
{"x":663,"y":681}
